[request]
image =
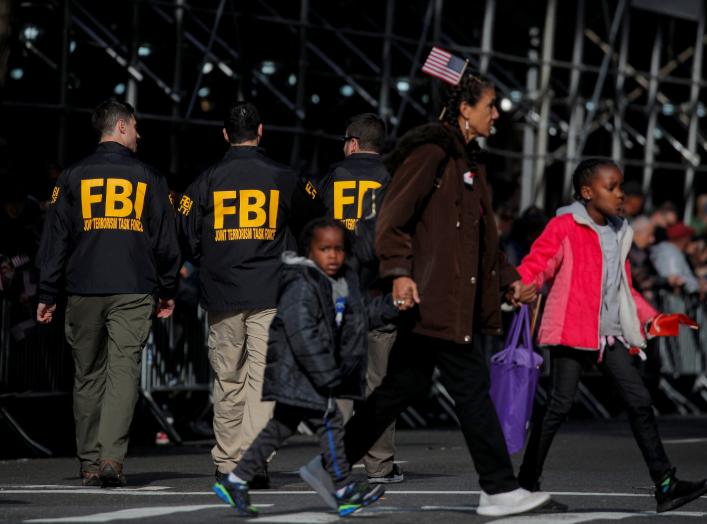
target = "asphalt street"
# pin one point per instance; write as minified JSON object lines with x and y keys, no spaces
{"x":594,"y":467}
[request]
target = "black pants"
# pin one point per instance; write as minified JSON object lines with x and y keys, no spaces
{"x":329,"y":428}
{"x":567,"y":365}
{"x":464,"y":373}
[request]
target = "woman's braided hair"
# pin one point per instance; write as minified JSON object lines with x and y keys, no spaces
{"x":469,"y":90}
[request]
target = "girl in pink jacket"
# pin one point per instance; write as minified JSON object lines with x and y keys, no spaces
{"x":593,"y":315}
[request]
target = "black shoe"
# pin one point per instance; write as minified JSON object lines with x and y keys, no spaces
{"x":672,"y":493}
{"x":236,"y":495}
{"x":220,"y":477}
{"x":357,"y":495}
{"x":260,"y":481}
{"x":395,"y":476}
{"x":90,"y":479}
{"x":111,"y":474}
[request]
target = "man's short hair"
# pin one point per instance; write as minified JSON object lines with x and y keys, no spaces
{"x":369,"y":128}
{"x":107,"y":114}
{"x":241,"y":122}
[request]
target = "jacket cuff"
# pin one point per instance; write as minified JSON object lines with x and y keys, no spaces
{"x":47,"y":297}
{"x":167,"y":293}
{"x":392,"y":272}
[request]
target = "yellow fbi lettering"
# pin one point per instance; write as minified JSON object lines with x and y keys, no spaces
{"x":117,"y":193}
{"x":351,"y":192}
{"x":249,"y":206}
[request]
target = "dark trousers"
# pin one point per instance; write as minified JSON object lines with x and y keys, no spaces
{"x":329,"y":427}
{"x":464,"y":373}
{"x":107,"y":334}
{"x":567,"y":365}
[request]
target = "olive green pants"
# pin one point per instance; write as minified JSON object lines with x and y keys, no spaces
{"x":106,"y":334}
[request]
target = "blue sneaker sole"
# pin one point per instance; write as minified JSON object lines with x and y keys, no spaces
{"x":353,"y":508}
{"x":223,"y":494}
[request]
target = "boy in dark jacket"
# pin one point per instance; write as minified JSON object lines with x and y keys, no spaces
{"x":316,"y":353}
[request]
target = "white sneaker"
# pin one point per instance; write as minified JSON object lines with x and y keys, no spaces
{"x":511,"y":502}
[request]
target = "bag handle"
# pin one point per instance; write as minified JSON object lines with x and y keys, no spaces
{"x":514,"y":332}
{"x":520,"y":327}
{"x":526,"y":328}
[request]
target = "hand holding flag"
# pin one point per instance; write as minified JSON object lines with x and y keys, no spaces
{"x":668,"y":325}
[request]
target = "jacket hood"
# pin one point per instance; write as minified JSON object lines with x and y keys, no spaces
{"x":293,"y":265}
{"x":436,"y":133}
{"x":581,"y":216}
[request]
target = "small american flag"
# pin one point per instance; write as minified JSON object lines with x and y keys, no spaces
{"x":444,"y":65}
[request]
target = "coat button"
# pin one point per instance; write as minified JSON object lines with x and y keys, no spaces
{"x":467,"y":338}
{"x":472,"y":280}
{"x":493,"y":272}
{"x":458,"y":224}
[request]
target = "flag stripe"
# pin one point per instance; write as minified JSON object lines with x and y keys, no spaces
{"x":441,"y":71}
{"x":442,"y":64}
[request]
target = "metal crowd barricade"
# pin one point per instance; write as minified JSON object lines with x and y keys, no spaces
{"x":684,"y":355}
{"x":175,"y":359}
{"x":34,"y":362}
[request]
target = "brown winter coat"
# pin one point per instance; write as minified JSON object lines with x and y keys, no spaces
{"x":445,"y":238}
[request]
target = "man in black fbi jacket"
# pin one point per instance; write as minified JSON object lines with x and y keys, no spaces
{"x":235,"y":221}
{"x":353,"y":190}
{"x":110,"y":234}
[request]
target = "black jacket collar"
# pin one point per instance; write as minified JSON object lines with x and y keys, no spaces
{"x":243,"y":152}
{"x":113,"y":147}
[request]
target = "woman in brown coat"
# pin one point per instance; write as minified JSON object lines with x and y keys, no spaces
{"x":436,"y":239}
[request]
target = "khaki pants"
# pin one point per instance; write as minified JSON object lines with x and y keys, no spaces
{"x":238,"y":343}
{"x":107,"y":334}
{"x":379,"y":459}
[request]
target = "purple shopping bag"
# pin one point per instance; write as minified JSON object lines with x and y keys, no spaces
{"x":514,"y":376}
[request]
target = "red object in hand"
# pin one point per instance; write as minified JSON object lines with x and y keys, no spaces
{"x":668,"y":325}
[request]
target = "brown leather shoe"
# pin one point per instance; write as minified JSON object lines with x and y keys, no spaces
{"x":90,"y":479}
{"x":111,"y":474}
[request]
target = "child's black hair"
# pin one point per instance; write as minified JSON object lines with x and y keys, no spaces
{"x":585,"y":171}
{"x":307,"y":235}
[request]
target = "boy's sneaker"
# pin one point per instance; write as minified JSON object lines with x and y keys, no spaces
{"x":511,"y":502}
{"x":672,"y":493}
{"x":395,"y":476}
{"x":260,"y":481}
{"x":357,"y":495}
{"x":236,"y":495}
{"x":314,"y":474}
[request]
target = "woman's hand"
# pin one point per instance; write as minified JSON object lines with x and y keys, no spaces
{"x":519,"y":293}
{"x":405,"y":294}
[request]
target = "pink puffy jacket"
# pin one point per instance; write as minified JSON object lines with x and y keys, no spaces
{"x":569,"y":251}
